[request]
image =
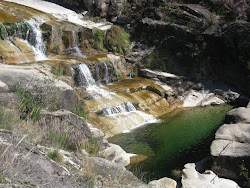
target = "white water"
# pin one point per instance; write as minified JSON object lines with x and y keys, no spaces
{"x":124,"y":113}
{"x":38,"y":46}
{"x":78,"y":52}
{"x":120,"y":109}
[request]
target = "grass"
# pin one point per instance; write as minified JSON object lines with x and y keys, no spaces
{"x":27,"y":104}
{"x":8,"y":119}
{"x":55,"y":155}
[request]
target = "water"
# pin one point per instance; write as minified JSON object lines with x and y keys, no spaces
{"x":36,"y":41}
{"x":122,"y":108}
{"x":75,"y":47}
{"x":180,"y":137}
{"x":86,"y":78}
{"x":106,"y":77}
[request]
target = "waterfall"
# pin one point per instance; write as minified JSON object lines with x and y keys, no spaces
{"x":36,"y":41}
{"x":75,"y":47}
{"x":85,"y":76}
{"x":120,"y":109}
{"x":106,"y":78}
{"x":97,"y":71}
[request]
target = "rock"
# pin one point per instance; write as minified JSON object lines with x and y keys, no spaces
{"x":67,"y":120}
{"x":7,"y":98}
{"x":193,"y":179}
{"x":40,"y":82}
{"x":231,"y":148}
{"x":31,"y":168}
{"x":116,"y":154}
{"x":200,"y":98}
{"x":238,"y":115}
{"x":3,"y":87}
{"x":111,"y":174}
{"x":158,"y":74}
{"x":163,"y":183}
{"x":248,"y":106}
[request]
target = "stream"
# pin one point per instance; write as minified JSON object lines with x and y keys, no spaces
{"x":181,"y":137}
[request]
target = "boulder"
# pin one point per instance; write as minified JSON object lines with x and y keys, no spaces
{"x":191,"y":178}
{"x":40,"y":82}
{"x":116,"y":154}
{"x":111,"y":174}
{"x":67,"y":120}
{"x":231,"y":148}
{"x":28,"y":167}
{"x":238,"y":115}
{"x":163,"y":183}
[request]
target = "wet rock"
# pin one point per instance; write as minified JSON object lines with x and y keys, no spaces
{"x":192,"y":178}
{"x":163,"y":183}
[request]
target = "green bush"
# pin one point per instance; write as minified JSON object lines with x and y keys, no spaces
{"x":115,"y":40}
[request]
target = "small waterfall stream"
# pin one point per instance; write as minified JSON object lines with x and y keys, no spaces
{"x":36,"y":41}
{"x":75,"y":47}
{"x":120,"y":111}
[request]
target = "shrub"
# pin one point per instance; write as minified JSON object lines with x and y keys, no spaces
{"x":27,"y":104}
{"x":55,"y":155}
{"x":55,"y":50}
{"x":60,"y":137}
{"x":155,"y":61}
{"x":7,"y":119}
{"x":115,"y":39}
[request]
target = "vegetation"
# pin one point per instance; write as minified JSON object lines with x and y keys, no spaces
{"x":155,"y":61}
{"x":114,"y":40}
{"x":61,"y":69}
{"x":12,"y":29}
{"x":28,"y":105}
{"x":55,"y":49}
{"x":55,"y":155}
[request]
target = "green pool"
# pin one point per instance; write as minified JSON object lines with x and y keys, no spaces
{"x":181,"y":137}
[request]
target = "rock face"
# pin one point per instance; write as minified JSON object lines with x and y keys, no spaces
{"x":231,"y":148}
{"x":163,"y":183}
{"x":192,"y":178}
{"x":40,"y":82}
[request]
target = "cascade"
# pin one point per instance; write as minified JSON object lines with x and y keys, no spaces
{"x":106,"y":78}
{"x":97,"y":70}
{"x":75,"y":47}
{"x":85,"y":76}
{"x":119,"y":109}
{"x":36,"y":41}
